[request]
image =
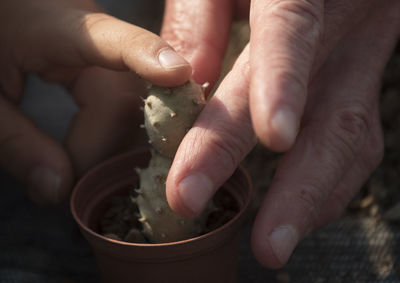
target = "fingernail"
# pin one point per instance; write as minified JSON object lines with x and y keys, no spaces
{"x":195,"y":191}
{"x":283,"y":240}
{"x":169,"y":59}
{"x":285,"y":122}
{"x":46,"y":183}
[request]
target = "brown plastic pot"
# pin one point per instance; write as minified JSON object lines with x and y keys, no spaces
{"x":211,"y":257}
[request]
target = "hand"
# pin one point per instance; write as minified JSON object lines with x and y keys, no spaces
{"x":307,"y":83}
{"x":99,"y":58}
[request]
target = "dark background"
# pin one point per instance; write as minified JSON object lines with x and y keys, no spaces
{"x":44,"y":245}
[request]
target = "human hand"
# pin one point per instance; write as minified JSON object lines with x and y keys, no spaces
{"x":95,"y":56}
{"x":307,"y":83}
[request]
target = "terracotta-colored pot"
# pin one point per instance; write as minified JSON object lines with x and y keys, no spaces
{"x":211,"y":257}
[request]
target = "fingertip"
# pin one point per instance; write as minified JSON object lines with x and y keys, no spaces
{"x":263,"y":253}
{"x":176,"y":202}
{"x":160,"y":64}
{"x":50,"y":185}
{"x":67,"y":177}
{"x":195,"y":190}
{"x":169,"y":59}
{"x":177,"y":69}
{"x":278,"y":133}
{"x":188,"y":192}
{"x":276,"y":119}
{"x":172,"y":77}
{"x":273,"y":250}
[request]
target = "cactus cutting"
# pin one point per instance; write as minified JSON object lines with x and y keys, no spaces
{"x":169,"y":113}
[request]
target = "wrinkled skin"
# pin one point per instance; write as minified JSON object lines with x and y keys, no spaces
{"x":95,"y":56}
{"x":319,"y":60}
{"x":307,"y":84}
{"x":169,"y":113}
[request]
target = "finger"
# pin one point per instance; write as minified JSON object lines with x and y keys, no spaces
{"x":109,"y":110}
{"x":365,"y":163}
{"x":341,"y":16}
{"x":335,"y":130}
{"x":33,"y":157}
{"x":284,"y":38}
{"x":296,"y":57}
{"x":213,"y":148}
{"x":330,"y":208}
{"x":308,"y":174}
{"x":101,"y":40}
{"x":199,"y":30}
{"x":371,"y":155}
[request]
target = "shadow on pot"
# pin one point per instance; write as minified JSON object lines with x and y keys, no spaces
{"x":211,"y":257}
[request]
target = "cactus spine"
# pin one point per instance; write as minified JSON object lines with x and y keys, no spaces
{"x":169,"y":114}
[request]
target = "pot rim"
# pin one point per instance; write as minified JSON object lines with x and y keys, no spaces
{"x":94,"y":234}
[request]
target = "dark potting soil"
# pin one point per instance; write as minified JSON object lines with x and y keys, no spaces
{"x":120,"y":221}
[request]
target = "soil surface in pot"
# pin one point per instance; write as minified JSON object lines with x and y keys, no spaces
{"x":120,"y":221}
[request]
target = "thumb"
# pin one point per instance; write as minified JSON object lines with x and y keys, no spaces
{"x":86,"y":38}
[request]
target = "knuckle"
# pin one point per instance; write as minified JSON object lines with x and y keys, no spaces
{"x":310,"y":198}
{"x":350,"y":128}
{"x":227,"y":152}
{"x":354,"y":121}
{"x":140,"y":38}
{"x":291,"y":79}
{"x":89,"y":27}
{"x":231,"y":147}
{"x":295,"y":79}
{"x":308,"y":10}
{"x":303,"y":17}
{"x":93,"y":21}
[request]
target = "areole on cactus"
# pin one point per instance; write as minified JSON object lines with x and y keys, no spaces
{"x":169,"y":113}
